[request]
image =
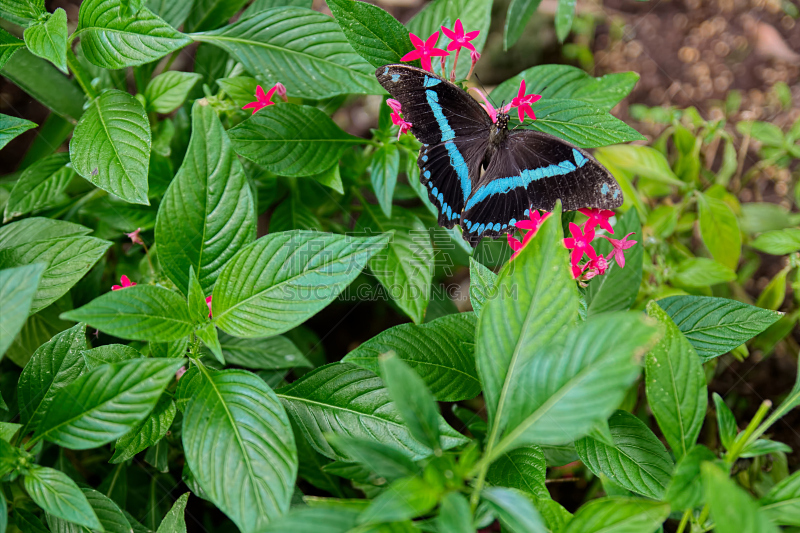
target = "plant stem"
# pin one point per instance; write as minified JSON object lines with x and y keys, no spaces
{"x":81,"y":75}
{"x":684,"y":520}
{"x":743,"y":439}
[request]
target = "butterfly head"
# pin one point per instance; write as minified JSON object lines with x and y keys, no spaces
{"x":502,"y":120}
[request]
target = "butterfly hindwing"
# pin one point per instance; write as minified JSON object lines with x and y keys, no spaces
{"x":531,"y":170}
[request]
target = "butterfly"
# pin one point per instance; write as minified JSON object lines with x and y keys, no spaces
{"x":479,"y":174}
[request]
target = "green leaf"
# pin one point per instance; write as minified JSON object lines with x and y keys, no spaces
{"x":109,"y":353}
{"x":250,"y":470}
{"x":384,"y":460}
{"x":764,"y":132}
{"x":618,"y":515}
{"x":441,"y":352}
{"x":196,"y":300}
{"x":732,"y":509}
{"x":455,"y":516}
{"x":701,"y":272}
{"x":618,"y":288}
{"x":129,"y":8}
{"x":24,"y":520}
{"x":716,"y":326}
{"x":782,"y":503}
{"x":383,"y":173}
{"x":45,"y":83}
{"x":348,"y":400}
{"x":270,"y":353}
{"x":675,"y":384}
{"x":568,"y":82}
{"x":48,"y":39}
{"x":53,"y":366}
{"x":405,"y":268}
{"x":306,"y":519}
{"x":522,"y":469}
{"x":282,"y":279}
{"x":565,"y":13}
{"x":167,"y":91}
{"x":110,"y":515}
{"x":779,"y":242}
{"x":404,"y":499}
{"x":143,"y":312}
{"x":38,"y":329}
{"x":643,"y":161}
{"x":720,"y":230}
{"x":151,"y":430}
{"x":292,"y":213}
{"x":57,"y":494}
{"x":726,"y":422}
{"x":303,"y":49}
{"x":38,"y":229}
{"x":41,"y":185}
{"x":67,"y":259}
{"x":172,"y":12}
{"x":517,"y":17}
{"x":685,"y":489}
{"x":211,"y":14}
{"x":111,"y":145}
{"x":207,"y":214}
{"x":419,"y":410}
{"x":22,"y":12}
{"x":763,"y":447}
{"x":515,"y":511}
{"x":637,"y":461}
{"x":106,"y":403}
{"x":8,"y":45}
{"x":372,"y":32}
{"x":291,"y":140}
{"x":110,"y":40}
{"x":11,"y":127}
{"x":174,"y":522}
{"x":17,"y":290}
{"x":581,"y":123}
{"x":482,"y":283}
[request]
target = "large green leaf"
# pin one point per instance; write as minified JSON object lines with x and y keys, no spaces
{"x":685,"y":489}
{"x":53,"y":366}
{"x":441,"y":352}
{"x":643,"y":161}
{"x":109,"y":353}
{"x":293,"y":213}
{"x":778,"y":242}
{"x":405,"y":268}
{"x":732,"y":508}
{"x":111,"y":40}
{"x":111,"y":517}
{"x":719,"y":229}
{"x":522,"y":469}
{"x":8,"y":45}
{"x":17,"y":290}
{"x":482,"y":283}
{"x":291,"y":140}
{"x":40,"y":185}
{"x":372,"y":32}
{"x":514,"y":510}
{"x":637,"y":461}
{"x":565,"y":13}
{"x":675,"y":384}
{"x":282,"y":279}
{"x":67,"y":259}
{"x":240,"y":448}
{"x":48,"y":39}
{"x":22,"y":12}
{"x":618,"y":515}
{"x":111,"y":146}
{"x":307,"y":519}
{"x":348,"y":400}
{"x":517,"y":17}
{"x":11,"y":127}
{"x":207,"y":214}
{"x":38,"y":328}
{"x":270,"y":353}
{"x":782,"y":503}
{"x":715,"y":326}
{"x":383,"y":173}
{"x":211,"y":14}
{"x":143,"y":312}
{"x":455,"y":516}
{"x":38,"y":229}
{"x":167,"y":91}
{"x":148,"y":433}
{"x":383,"y":460}
{"x":402,"y":500}
{"x":175,"y":522}
{"x":567,"y":83}
{"x":106,"y":403}
{"x":618,"y":288}
{"x":701,"y":272}
{"x":302,"y":49}
{"x":57,"y":494}
{"x":173,"y":12}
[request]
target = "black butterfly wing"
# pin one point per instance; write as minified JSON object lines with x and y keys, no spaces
{"x":531,"y":170}
{"x":453,"y":128}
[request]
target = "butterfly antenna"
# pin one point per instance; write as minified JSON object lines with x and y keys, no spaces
{"x":484,"y":89}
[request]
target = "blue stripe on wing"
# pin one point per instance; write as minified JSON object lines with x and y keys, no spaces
{"x":456,"y":159}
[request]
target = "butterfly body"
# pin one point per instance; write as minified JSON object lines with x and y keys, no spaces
{"x":479,"y":174}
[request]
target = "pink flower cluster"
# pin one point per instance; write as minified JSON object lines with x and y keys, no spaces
{"x":580,"y":243}
{"x":425,"y":50}
{"x":397,"y":119}
{"x":522,"y":102}
{"x":263,"y":100}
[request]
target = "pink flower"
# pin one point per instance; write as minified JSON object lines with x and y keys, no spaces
{"x":181,"y":371}
{"x":125,"y":283}
{"x":208,"y":303}
{"x":134,"y":237}
{"x":535,"y":220}
{"x":580,"y":243}
{"x":515,"y":245}
{"x":397,"y":120}
{"x":487,"y":105}
{"x":395,"y":105}
{"x":264,"y":100}
{"x":458,"y":38}
{"x":598,"y":217}
{"x":424,"y":50}
{"x":475,"y":56}
{"x":523,"y":103}
{"x":620,"y":245}
{"x":598,"y":264}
